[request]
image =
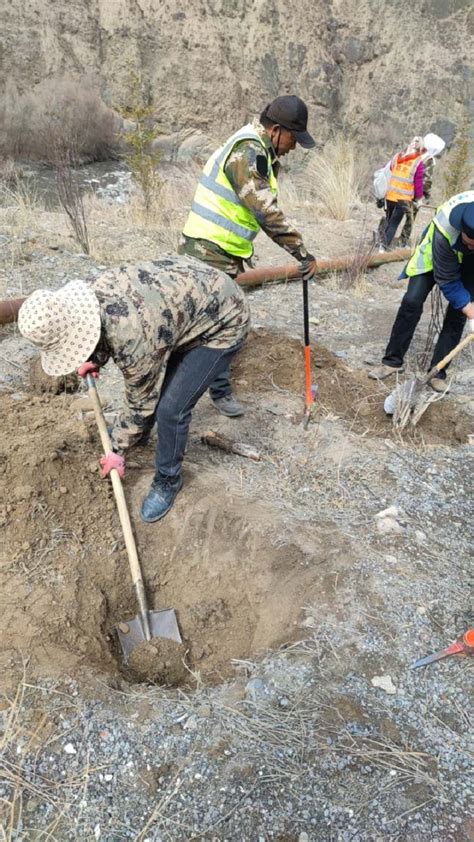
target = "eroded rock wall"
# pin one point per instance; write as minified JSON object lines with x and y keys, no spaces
{"x":383,"y":70}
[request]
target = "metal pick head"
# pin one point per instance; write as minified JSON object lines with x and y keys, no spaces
{"x":162,"y":624}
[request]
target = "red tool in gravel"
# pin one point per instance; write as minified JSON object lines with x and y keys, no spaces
{"x":464,"y":645}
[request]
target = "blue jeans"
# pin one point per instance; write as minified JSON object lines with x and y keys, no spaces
{"x":188,"y":375}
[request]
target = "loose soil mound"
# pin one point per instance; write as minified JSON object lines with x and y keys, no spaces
{"x":41,"y":382}
{"x":159,"y":661}
{"x":235,"y":573}
{"x":235,"y":569}
{"x":270,"y":359}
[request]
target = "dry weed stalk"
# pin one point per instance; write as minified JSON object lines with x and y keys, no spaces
{"x":334,"y":179}
{"x":71,"y":198}
{"x":458,"y":167}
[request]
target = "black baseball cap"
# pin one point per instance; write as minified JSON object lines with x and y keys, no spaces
{"x":290,"y":112}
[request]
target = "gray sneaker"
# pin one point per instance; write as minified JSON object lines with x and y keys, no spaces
{"x":383,"y":371}
{"x":229,"y":406}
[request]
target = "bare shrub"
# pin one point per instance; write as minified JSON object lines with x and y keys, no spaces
{"x":58,"y":108}
{"x":9,"y":172}
{"x":333,"y":176}
{"x":71,"y":198}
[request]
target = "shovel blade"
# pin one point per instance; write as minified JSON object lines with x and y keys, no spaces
{"x":162,"y":624}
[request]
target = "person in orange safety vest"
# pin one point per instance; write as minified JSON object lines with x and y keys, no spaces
{"x":405,"y":188}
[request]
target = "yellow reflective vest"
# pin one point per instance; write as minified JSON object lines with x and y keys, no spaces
{"x":421,"y":260}
{"x":217,"y":214}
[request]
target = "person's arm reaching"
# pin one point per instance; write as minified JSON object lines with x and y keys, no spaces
{"x":447,"y":274}
{"x":248,"y":171}
{"x":143,"y":382}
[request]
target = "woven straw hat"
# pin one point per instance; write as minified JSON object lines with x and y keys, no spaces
{"x":64,"y":325}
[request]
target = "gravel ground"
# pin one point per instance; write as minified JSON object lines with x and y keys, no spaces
{"x":300,"y":746}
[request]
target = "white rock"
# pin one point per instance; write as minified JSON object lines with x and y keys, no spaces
{"x":390,"y":403}
{"x":388,"y":521}
{"x":384,"y":682}
{"x":69,"y":749}
{"x":392,"y":511}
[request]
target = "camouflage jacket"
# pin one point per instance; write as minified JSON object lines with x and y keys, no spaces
{"x":247,"y":170}
{"x":149,"y":311}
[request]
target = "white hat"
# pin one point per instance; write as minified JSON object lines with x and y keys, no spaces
{"x":64,"y":325}
{"x":434,"y":144}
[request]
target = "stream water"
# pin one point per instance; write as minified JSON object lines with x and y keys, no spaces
{"x":109,"y":179}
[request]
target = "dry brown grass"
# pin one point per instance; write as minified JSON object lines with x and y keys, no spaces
{"x":128,"y":231}
{"x":333,"y":177}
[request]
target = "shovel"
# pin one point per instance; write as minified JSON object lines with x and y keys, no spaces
{"x":407,"y":396}
{"x":147,"y":624}
{"x":310,"y":390}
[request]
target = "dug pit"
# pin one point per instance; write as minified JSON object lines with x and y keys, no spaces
{"x":235,"y":567}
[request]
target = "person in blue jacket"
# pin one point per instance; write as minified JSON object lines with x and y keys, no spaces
{"x":444,"y":256}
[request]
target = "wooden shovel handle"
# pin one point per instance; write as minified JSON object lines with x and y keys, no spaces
{"x":447,"y":359}
{"x":117,"y":487}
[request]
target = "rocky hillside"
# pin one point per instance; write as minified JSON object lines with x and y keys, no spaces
{"x":384,"y":70}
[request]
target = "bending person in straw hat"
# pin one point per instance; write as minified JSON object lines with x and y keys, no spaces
{"x":170,"y":325}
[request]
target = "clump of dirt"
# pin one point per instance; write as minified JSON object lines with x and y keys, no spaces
{"x":41,"y":383}
{"x":273,"y":360}
{"x":159,"y":661}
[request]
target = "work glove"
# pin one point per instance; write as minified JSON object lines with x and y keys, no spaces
{"x":380,"y":203}
{"x":112,"y":460}
{"x":88,"y":368}
{"x":307,"y":264}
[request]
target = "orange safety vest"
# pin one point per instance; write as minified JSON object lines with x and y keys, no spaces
{"x":401,"y":186}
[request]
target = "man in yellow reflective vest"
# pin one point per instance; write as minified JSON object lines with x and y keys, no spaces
{"x":237,"y":196}
{"x":444,"y":256}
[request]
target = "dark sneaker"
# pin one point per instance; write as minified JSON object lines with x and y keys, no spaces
{"x":383,"y":371}
{"x":229,"y":406}
{"x":160,"y":498}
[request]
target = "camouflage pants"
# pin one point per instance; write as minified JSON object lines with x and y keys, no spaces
{"x":216,"y":257}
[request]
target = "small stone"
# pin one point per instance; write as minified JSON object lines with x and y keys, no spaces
{"x":69,"y":749}
{"x":123,"y":627}
{"x":384,"y":682}
{"x":303,"y":837}
{"x":63,"y":489}
{"x":255,"y":688}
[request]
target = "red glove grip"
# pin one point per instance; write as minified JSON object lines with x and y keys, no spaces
{"x":112,"y":460}
{"x":88,"y":368}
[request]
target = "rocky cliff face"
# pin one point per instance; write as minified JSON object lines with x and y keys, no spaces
{"x":379,"y":69}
